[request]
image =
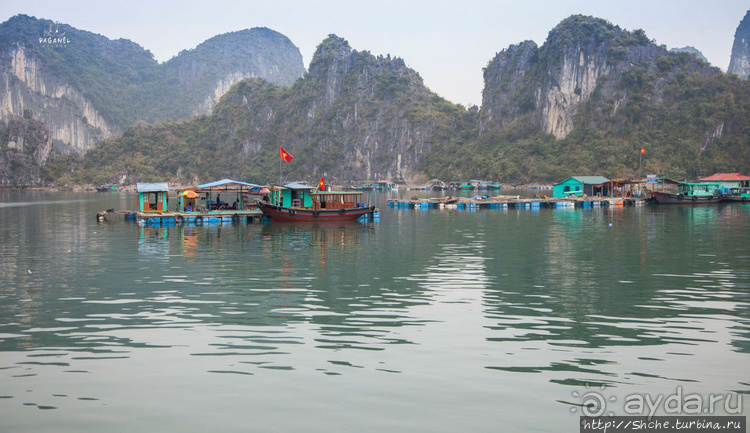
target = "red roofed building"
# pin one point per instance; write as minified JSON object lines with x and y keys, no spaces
{"x":728,"y":180}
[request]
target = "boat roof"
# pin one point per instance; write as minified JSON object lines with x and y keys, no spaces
{"x":297,"y":186}
{"x":724,"y":177}
{"x":226,"y":183}
{"x":152,"y":187}
{"x":700,"y":183}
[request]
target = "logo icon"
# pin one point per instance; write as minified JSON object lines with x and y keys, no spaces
{"x":54,"y":31}
{"x":53,"y":36}
{"x":593,"y":403}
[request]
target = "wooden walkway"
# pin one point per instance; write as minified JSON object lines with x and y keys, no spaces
{"x":248,"y":216}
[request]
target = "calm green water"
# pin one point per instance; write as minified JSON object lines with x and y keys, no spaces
{"x":428,"y":321}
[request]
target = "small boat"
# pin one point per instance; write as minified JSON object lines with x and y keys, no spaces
{"x":690,"y":193}
{"x":107,"y":188}
{"x":384,"y":185}
{"x":303,"y":203}
{"x":738,"y":194}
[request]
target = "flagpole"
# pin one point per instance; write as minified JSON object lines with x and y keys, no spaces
{"x":279,"y":171}
{"x":640,"y":159}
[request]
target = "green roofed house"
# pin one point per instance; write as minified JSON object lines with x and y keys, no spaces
{"x":580,"y":185}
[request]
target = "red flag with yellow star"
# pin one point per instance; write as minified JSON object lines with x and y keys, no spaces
{"x":286,"y":156}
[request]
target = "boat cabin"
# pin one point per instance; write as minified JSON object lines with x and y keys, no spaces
{"x":152,"y":197}
{"x":307,"y":197}
{"x":292,"y":195}
{"x":740,"y":192}
{"x":700,"y":189}
{"x":336,"y":199}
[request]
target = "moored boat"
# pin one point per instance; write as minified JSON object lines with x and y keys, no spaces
{"x":690,"y":193}
{"x":302,"y":203}
{"x":738,"y":194}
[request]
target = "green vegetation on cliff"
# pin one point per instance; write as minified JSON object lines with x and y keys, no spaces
{"x":583,"y":103}
{"x":125,"y":83}
{"x":690,"y":118}
{"x":353,"y":116}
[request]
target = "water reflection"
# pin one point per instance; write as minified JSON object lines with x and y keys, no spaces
{"x":505,"y":309}
{"x":659,"y":280}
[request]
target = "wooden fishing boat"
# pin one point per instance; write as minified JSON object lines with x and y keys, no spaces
{"x":690,"y":193}
{"x":738,"y":194}
{"x":302,"y":203}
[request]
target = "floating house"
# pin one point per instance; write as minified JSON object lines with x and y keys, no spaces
{"x":580,"y":185}
{"x":209,"y":196}
{"x":727,"y":181}
{"x":152,"y":197}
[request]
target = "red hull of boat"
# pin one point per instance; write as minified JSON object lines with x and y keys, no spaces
{"x":285,"y":214}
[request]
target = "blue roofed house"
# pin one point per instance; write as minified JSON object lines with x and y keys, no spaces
{"x":580,"y":185}
{"x":152,"y":197}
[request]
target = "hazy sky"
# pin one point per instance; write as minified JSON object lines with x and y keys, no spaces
{"x":447,"y":42}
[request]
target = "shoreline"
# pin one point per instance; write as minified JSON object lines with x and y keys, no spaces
{"x":92,"y":188}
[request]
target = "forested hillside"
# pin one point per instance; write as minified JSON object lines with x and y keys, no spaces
{"x":584,"y":102}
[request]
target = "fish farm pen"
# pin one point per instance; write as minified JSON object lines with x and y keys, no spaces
{"x":514,"y":203}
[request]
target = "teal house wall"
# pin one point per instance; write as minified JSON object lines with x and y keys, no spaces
{"x":152,"y":197}
{"x":579,"y":185}
{"x":569,"y":187}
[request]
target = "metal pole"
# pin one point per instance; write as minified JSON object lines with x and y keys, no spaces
{"x":640,"y":158}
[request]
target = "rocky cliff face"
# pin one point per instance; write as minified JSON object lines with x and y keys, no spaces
{"x":581,"y":56}
{"x":690,"y":50}
{"x":740,"y":62}
{"x":75,"y":125}
{"x":87,"y":87}
{"x":506,"y":94}
{"x":354,"y":116}
{"x":207,"y":72}
{"x":25,"y":144}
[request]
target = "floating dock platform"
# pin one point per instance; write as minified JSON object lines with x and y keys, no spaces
{"x":156,"y":219}
{"x":501,"y":203}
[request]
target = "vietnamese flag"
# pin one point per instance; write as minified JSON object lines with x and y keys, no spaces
{"x":286,"y":156}
{"x":321,"y":185}
{"x":643,"y":150}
